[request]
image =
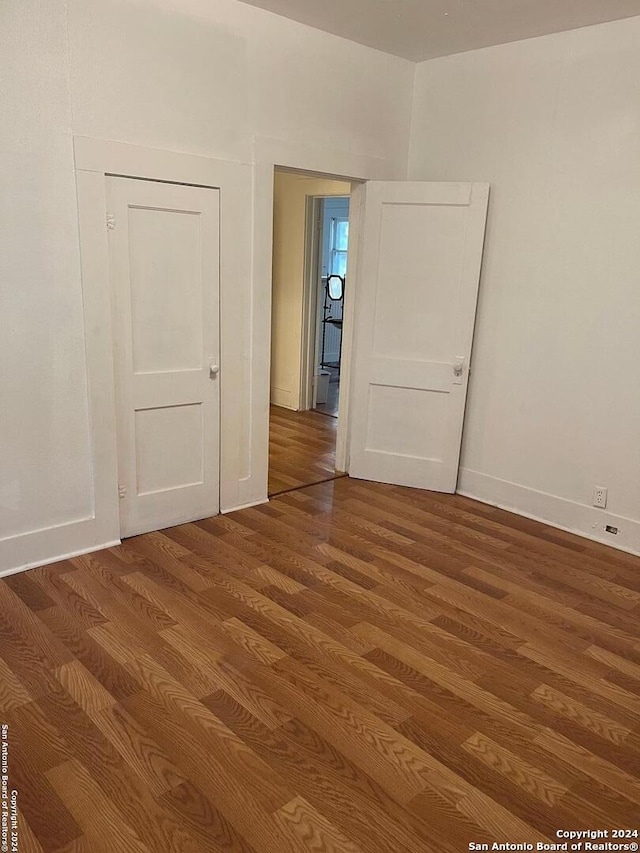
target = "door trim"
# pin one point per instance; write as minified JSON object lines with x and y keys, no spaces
{"x":312,"y":260}
{"x":240,"y":463}
{"x":343,"y":433}
{"x":269,"y":154}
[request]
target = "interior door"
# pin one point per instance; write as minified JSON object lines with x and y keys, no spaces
{"x":164,"y":268}
{"x":417,"y":278}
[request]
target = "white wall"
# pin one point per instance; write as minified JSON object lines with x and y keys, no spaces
{"x":45,"y":474}
{"x":554,"y":124}
{"x":289,"y":244}
{"x":206,"y":76}
{"x":209,"y":77}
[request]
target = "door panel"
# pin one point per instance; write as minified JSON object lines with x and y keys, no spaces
{"x":164,"y":265}
{"x":167,"y":332}
{"x":417,"y":287}
{"x":178,"y":427}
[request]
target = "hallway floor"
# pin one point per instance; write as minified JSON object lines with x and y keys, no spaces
{"x":302,"y":449}
{"x":331,"y":406}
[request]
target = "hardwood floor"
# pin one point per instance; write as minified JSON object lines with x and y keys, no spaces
{"x":352,"y":667}
{"x":302,"y":449}
{"x":333,"y":398}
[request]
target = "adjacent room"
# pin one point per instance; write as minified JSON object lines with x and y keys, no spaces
{"x":319,"y":459}
{"x":310,"y":247}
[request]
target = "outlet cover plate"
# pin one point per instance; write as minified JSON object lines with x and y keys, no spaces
{"x":600,"y":497}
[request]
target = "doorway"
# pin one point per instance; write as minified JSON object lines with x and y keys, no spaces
{"x":330,"y":218}
{"x":310,"y":243}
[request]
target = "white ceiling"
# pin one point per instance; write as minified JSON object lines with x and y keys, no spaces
{"x":424,"y":29}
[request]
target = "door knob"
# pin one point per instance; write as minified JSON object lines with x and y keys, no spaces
{"x":214,"y":370}
{"x":458,"y":370}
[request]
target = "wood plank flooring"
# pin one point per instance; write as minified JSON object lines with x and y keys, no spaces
{"x":351,"y":668}
{"x":302,"y":449}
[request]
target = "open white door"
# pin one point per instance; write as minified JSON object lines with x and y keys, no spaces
{"x":418,"y":270}
{"x":164,"y":268}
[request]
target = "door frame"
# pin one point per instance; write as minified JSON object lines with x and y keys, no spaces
{"x":312,"y":259}
{"x":309,"y":304}
{"x":271,"y":154}
{"x":240,"y":463}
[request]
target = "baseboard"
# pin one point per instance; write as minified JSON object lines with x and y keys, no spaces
{"x":244,"y":506}
{"x":52,"y":545}
{"x":557,"y":512}
{"x":58,"y":558}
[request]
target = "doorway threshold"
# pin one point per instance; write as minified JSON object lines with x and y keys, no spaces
{"x":339,"y":475}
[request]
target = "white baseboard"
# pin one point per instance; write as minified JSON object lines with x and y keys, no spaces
{"x":557,"y":512}
{"x":4,"y":573}
{"x":52,"y":545}
{"x":59,"y":541}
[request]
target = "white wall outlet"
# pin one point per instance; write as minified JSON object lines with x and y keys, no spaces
{"x":600,"y":497}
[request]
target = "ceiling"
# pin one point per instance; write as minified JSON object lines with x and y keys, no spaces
{"x":424,"y":29}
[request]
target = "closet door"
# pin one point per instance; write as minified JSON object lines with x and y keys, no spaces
{"x":164,"y":269}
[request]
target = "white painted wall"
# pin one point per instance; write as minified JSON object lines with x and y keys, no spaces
{"x":206,"y":76}
{"x":289,"y":240}
{"x":45,"y":474}
{"x":210,"y":77}
{"x":554,"y":124}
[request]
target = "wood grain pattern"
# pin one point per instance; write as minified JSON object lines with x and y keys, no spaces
{"x":351,"y":668}
{"x":311,"y":830}
{"x":302,"y":449}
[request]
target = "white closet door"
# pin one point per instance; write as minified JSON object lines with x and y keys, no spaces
{"x":164,"y":268}
{"x":417,"y":287}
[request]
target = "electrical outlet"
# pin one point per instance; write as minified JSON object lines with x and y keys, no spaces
{"x":600,"y":496}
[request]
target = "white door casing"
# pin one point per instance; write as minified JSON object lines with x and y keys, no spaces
{"x":417,"y":287}
{"x":164,"y":272}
